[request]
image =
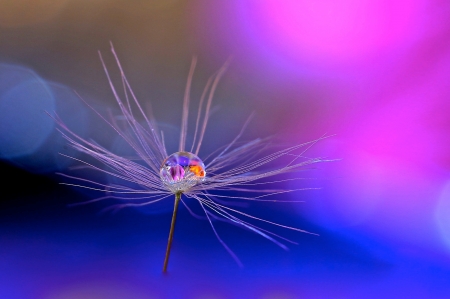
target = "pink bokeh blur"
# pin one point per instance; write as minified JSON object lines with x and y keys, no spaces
{"x":383,"y":70}
{"x":337,"y":31}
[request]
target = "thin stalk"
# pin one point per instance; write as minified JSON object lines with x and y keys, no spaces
{"x":172,"y":228}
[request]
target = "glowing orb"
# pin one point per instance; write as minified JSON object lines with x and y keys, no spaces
{"x":181,"y":171}
{"x":337,"y":31}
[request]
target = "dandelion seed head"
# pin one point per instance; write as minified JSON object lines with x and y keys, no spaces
{"x":181,"y":171}
{"x":234,"y":167}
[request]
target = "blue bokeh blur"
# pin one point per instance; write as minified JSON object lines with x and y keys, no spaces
{"x":28,"y":134}
{"x":24,"y":100}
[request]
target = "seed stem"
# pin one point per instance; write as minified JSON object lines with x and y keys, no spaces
{"x":172,"y":228}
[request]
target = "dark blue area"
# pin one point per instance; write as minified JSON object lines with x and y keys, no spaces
{"x":48,"y":249}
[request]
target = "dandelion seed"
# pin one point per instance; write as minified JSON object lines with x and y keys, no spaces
{"x":231,"y":169}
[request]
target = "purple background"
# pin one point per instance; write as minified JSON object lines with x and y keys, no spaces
{"x":374,"y":74}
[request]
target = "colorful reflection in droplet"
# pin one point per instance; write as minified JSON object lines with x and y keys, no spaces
{"x":181,"y":171}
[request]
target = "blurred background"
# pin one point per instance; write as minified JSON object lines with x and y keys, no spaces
{"x":374,"y":74}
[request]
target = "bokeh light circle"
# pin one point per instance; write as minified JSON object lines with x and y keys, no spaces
{"x":335,"y":30}
{"x":442,"y":214}
{"x":24,"y":100}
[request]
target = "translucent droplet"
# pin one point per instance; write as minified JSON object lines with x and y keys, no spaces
{"x":181,"y":171}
